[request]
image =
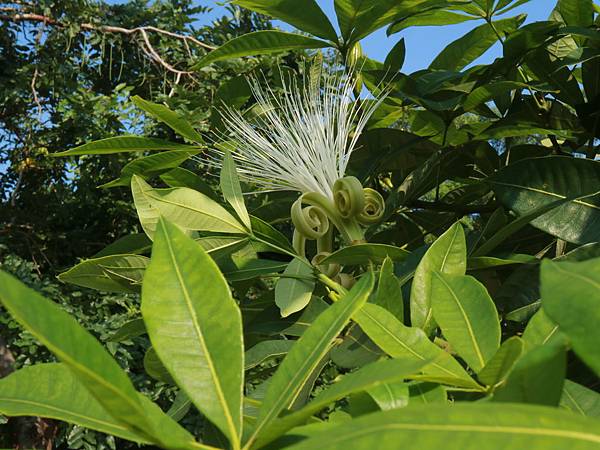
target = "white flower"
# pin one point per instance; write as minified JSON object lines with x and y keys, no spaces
{"x":304,"y":137}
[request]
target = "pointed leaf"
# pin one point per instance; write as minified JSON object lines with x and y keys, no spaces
{"x":121,"y":144}
{"x":467,"y":316}
{"x":195,"y":327}
{"x":302,"y":14}
{"x":114,"y":273}
{"x":185,"y":207}
{"x":365,"y":254}
{"x":499,"y":367}
{"x":580,"y":400}
{"x":400,"y":341}
{"x":232,"y":191}
{"x":460,"y":427}
{"x":293,"y":294}
{"x":309,"y":350}
{"x":389,"y":291}
{"x":448,"y":254}
{"x":170,"y":118}
{"x":51,"y":391}
{"x":90,"y":363}
{"x":571,"y":298}
{"x":259,"y":43}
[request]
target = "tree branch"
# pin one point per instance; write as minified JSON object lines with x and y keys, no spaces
{"x":146,"y":46}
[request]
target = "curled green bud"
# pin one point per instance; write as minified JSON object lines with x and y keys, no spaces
{"x":373,"y":209}
{"x":312,"y":221}
{"x":348,"y":197}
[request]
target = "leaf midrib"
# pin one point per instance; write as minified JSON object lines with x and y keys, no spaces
{"x":199,"y":334}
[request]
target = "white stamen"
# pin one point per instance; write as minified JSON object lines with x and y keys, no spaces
{"x":302,"y":140}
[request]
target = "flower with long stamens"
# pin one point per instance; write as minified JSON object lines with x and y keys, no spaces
{"x":304,"y":135}
{"x":302,"y":140}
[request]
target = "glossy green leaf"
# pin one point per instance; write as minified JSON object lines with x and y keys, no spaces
{"x":541,"y":330}
{"x":122,"y":144}
{"x":220,"y":246}
{"x":51,"y":391}
{"x":467,"y":316}
{"x":365,"y":254}
{"x":500,"y":365}
{"x":128,"y":330}
{"x":135,"y":244}
{"x":170,"y":118}
{"x":369,"y":377}
{"x":232,"y":191}
{"x":531,"y":183}
{"x":180,"y":177}
{"x":391,"y":395}
{"x":389,"y":291}
{"x":400,"y":341}
{"x":580,"y":400}
{"x":149,"y":166}
{"x":114,"y":273}
{"x":429,"y":18}
{"x":571,"y":298}
{"x":155,"y":368}
{"x":303,"y":358}
{"x":185,"y":299}
{"x":294,"y":289}
{"x":460,"y":427}
{"x":395,"y":58}
{"x":259,"y":43}
{"x":254,"y":268}
{"x":448,"y":254}
{"x":91,"y":364}
{"x":265,"y":350}
{"x":463,"y":51}
{"x":180,"y":406}
{"x":184,"y":207}
{"x":302,"y":14}
{"x":537,"y":377}
{"x":424,"y":393}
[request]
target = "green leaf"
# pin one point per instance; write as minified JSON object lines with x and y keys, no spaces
{"x":429,"y":18}
{"x":541,"y":330}
{"x":180,"y":177}
{"x":293,"y":294}
{"x":580,"y":400}
{"x":498,"y":368}
{"x":395,"y":58}
{"x":128,"y":330}
{"x":390,"y":395}
{"x":195,"y":327}
{"x":362,"y":254}
{"x":538,"y":377}
{"x":531,"y":183}
{"x":302,"y":14}
{"x":576,"y":12}
{"x":400,"y":341}
{"x":220,"y":246}
{"x":467,"y":316}
{"x":254,"y":268}
{"x":232,"y":191}
{"x":51,"y":391}
{"x":91,"y":364}
{"x":168,"y":117}
{"x":463,"y":51}
{"x":259,"y":43}
{"x":448,"y":254}
{"x":571,"y":298}
{"x":135,"y":244}
{"x":389,"y":291}
{"x":114,"y":273}
{"x":369,"y":377}
{"x":149,"y":166}
{"x":460,"y":427}
{"x":426,"y":393}
{"x":305,"y":355}
{"x":270,"y":236}
{"x":180,"y":406}
{"x":122,"y":144}
{"x":155,"y":368}
{"x":185,"y":207}
{"x":265,"y":350}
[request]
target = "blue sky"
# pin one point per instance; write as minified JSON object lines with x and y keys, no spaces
{"x":422,"y":43}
